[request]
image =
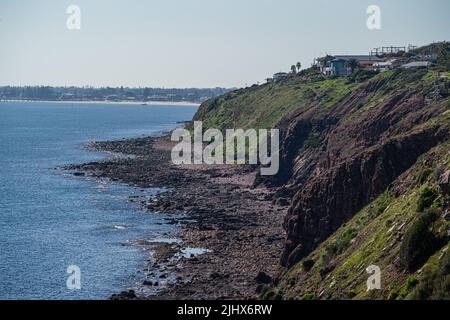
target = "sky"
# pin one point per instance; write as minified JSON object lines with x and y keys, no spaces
{"x":197,"y":43}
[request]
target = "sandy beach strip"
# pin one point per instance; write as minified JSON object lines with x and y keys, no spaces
{"x":149,"y":103}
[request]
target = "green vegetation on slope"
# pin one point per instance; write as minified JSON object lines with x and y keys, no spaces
{"x":266,"y":105}
{"x":410,"y":247}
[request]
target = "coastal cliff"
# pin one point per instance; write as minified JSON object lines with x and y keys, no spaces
{"x":364,"y":165}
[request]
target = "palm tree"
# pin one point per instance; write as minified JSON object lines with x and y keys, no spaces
{"x":293,"y":69}
{"x":351,"y":64}
{"x":299,"y":66}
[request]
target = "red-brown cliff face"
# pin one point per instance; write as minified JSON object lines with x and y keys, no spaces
{"x":335,"y":161}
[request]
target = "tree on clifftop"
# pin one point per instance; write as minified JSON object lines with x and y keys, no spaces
{"x":293,"y":69}
{"x":351,"y":64}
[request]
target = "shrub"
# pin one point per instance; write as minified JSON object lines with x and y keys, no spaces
{"x":402,"y":292}
{"x":393,"y":294}
{"x":426,"y":198}
{"x":337,"y":247}
{"x":307,"y":265}
{"x":419,"y":242}
{"x":435,"y":284}
{"x":380,"y":205}
{"x":344,"y":240}
{"x":307,"y":296}
{"x":309,"y":94}
{"x":409,"y":285}
{"x":267,"y":293}
{"x":362,"y":75}
{"x":424,"y":174}
{"x":351,"y":294}
{"x":348,"y":236}
{"x":313,"y":140}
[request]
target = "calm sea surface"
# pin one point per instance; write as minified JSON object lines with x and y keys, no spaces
{"x":49,"y":221}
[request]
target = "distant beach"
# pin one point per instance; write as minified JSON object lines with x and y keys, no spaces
{"x":159,"y":103}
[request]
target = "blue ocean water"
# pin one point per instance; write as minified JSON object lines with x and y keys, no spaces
{"x":49,"y":221}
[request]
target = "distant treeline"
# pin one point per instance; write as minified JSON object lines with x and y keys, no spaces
{"x":108,"y":94}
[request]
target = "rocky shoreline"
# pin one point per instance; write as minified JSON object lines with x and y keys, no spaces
{"x":231,"y":234}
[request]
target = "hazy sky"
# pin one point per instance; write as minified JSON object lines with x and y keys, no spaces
{"x":197,"y":43}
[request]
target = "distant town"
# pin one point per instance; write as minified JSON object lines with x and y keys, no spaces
{"x":121,"y":94}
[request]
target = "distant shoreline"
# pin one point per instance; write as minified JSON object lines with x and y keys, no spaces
{"x":161,"y":103}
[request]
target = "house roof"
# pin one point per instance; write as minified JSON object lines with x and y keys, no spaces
{"x":416,"y":64}
{"x":357,"y":57}
{"x":384,"y":63}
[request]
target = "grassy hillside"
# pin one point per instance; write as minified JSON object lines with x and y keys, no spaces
{"x":265,"y":106}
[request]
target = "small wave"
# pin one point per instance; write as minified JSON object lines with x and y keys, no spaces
{"x":193,"y":252}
